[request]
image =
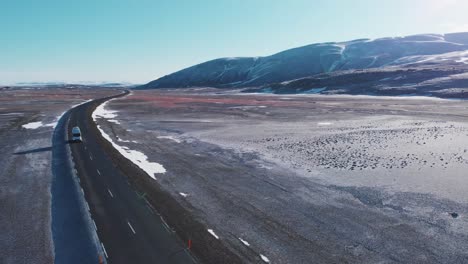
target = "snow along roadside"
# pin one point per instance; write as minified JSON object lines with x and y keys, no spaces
{"x":38,"y":124}
{"x":137,"y":157}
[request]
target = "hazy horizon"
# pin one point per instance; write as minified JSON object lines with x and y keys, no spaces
{"x":124,"y":41}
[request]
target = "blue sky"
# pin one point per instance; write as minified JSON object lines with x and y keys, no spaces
{"x":138,"y":41}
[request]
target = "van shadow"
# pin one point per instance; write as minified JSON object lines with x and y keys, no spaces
{"x":43,"y":149}
{"x":36,"y":150}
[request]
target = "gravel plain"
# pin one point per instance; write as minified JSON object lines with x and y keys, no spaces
{"x":310,"y":179}
{"x":28,"y":116}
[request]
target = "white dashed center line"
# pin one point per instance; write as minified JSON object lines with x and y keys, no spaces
{"x":131,"y":227}
{"x":90,"y":157}
{"x":98,"y":172}
{"x":104,"y":249}
{"x":110,"y":193}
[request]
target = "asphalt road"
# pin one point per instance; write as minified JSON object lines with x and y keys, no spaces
{"x":130,"y":230}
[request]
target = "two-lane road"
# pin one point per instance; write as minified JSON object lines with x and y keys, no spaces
{"x":129,"y":229}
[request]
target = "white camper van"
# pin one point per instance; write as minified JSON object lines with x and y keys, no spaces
{"x":76,"y":134}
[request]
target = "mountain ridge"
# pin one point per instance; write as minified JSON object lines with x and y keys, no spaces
{"x":317,"y":58}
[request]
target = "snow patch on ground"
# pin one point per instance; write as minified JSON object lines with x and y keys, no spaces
{"x":104,"y":113}
{"x":170,"y":138}
{"x":126,"y":141}
{"x":183,"y":194}
{"x":247,"y":107}
{"x":7,"y":114}
{"x":33,"y":125}
{"x":213,"y":233}
{"x":463,"y":60}
{"x":324,"y":124}
{"x":457,"y":56}
{"x":53,"y":124}
{"x":137,"y":157}
{"x":114,"y":121}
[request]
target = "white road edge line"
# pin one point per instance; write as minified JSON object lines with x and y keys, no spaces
{"x":131,"y":227}
{"x":94,"y":223}
{"x":264,"y":258}
{"x":104,"y":249}
{"x":110,"y":193}
{"x":166,"y":226}
{"x":149,"y":208}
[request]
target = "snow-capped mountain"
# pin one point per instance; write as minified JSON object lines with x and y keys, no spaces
{"x":410,"y":51}
{"x":446,"y":82}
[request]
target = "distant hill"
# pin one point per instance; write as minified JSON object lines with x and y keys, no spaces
{"x":425,"y":51}
{"x":75,"y":84}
